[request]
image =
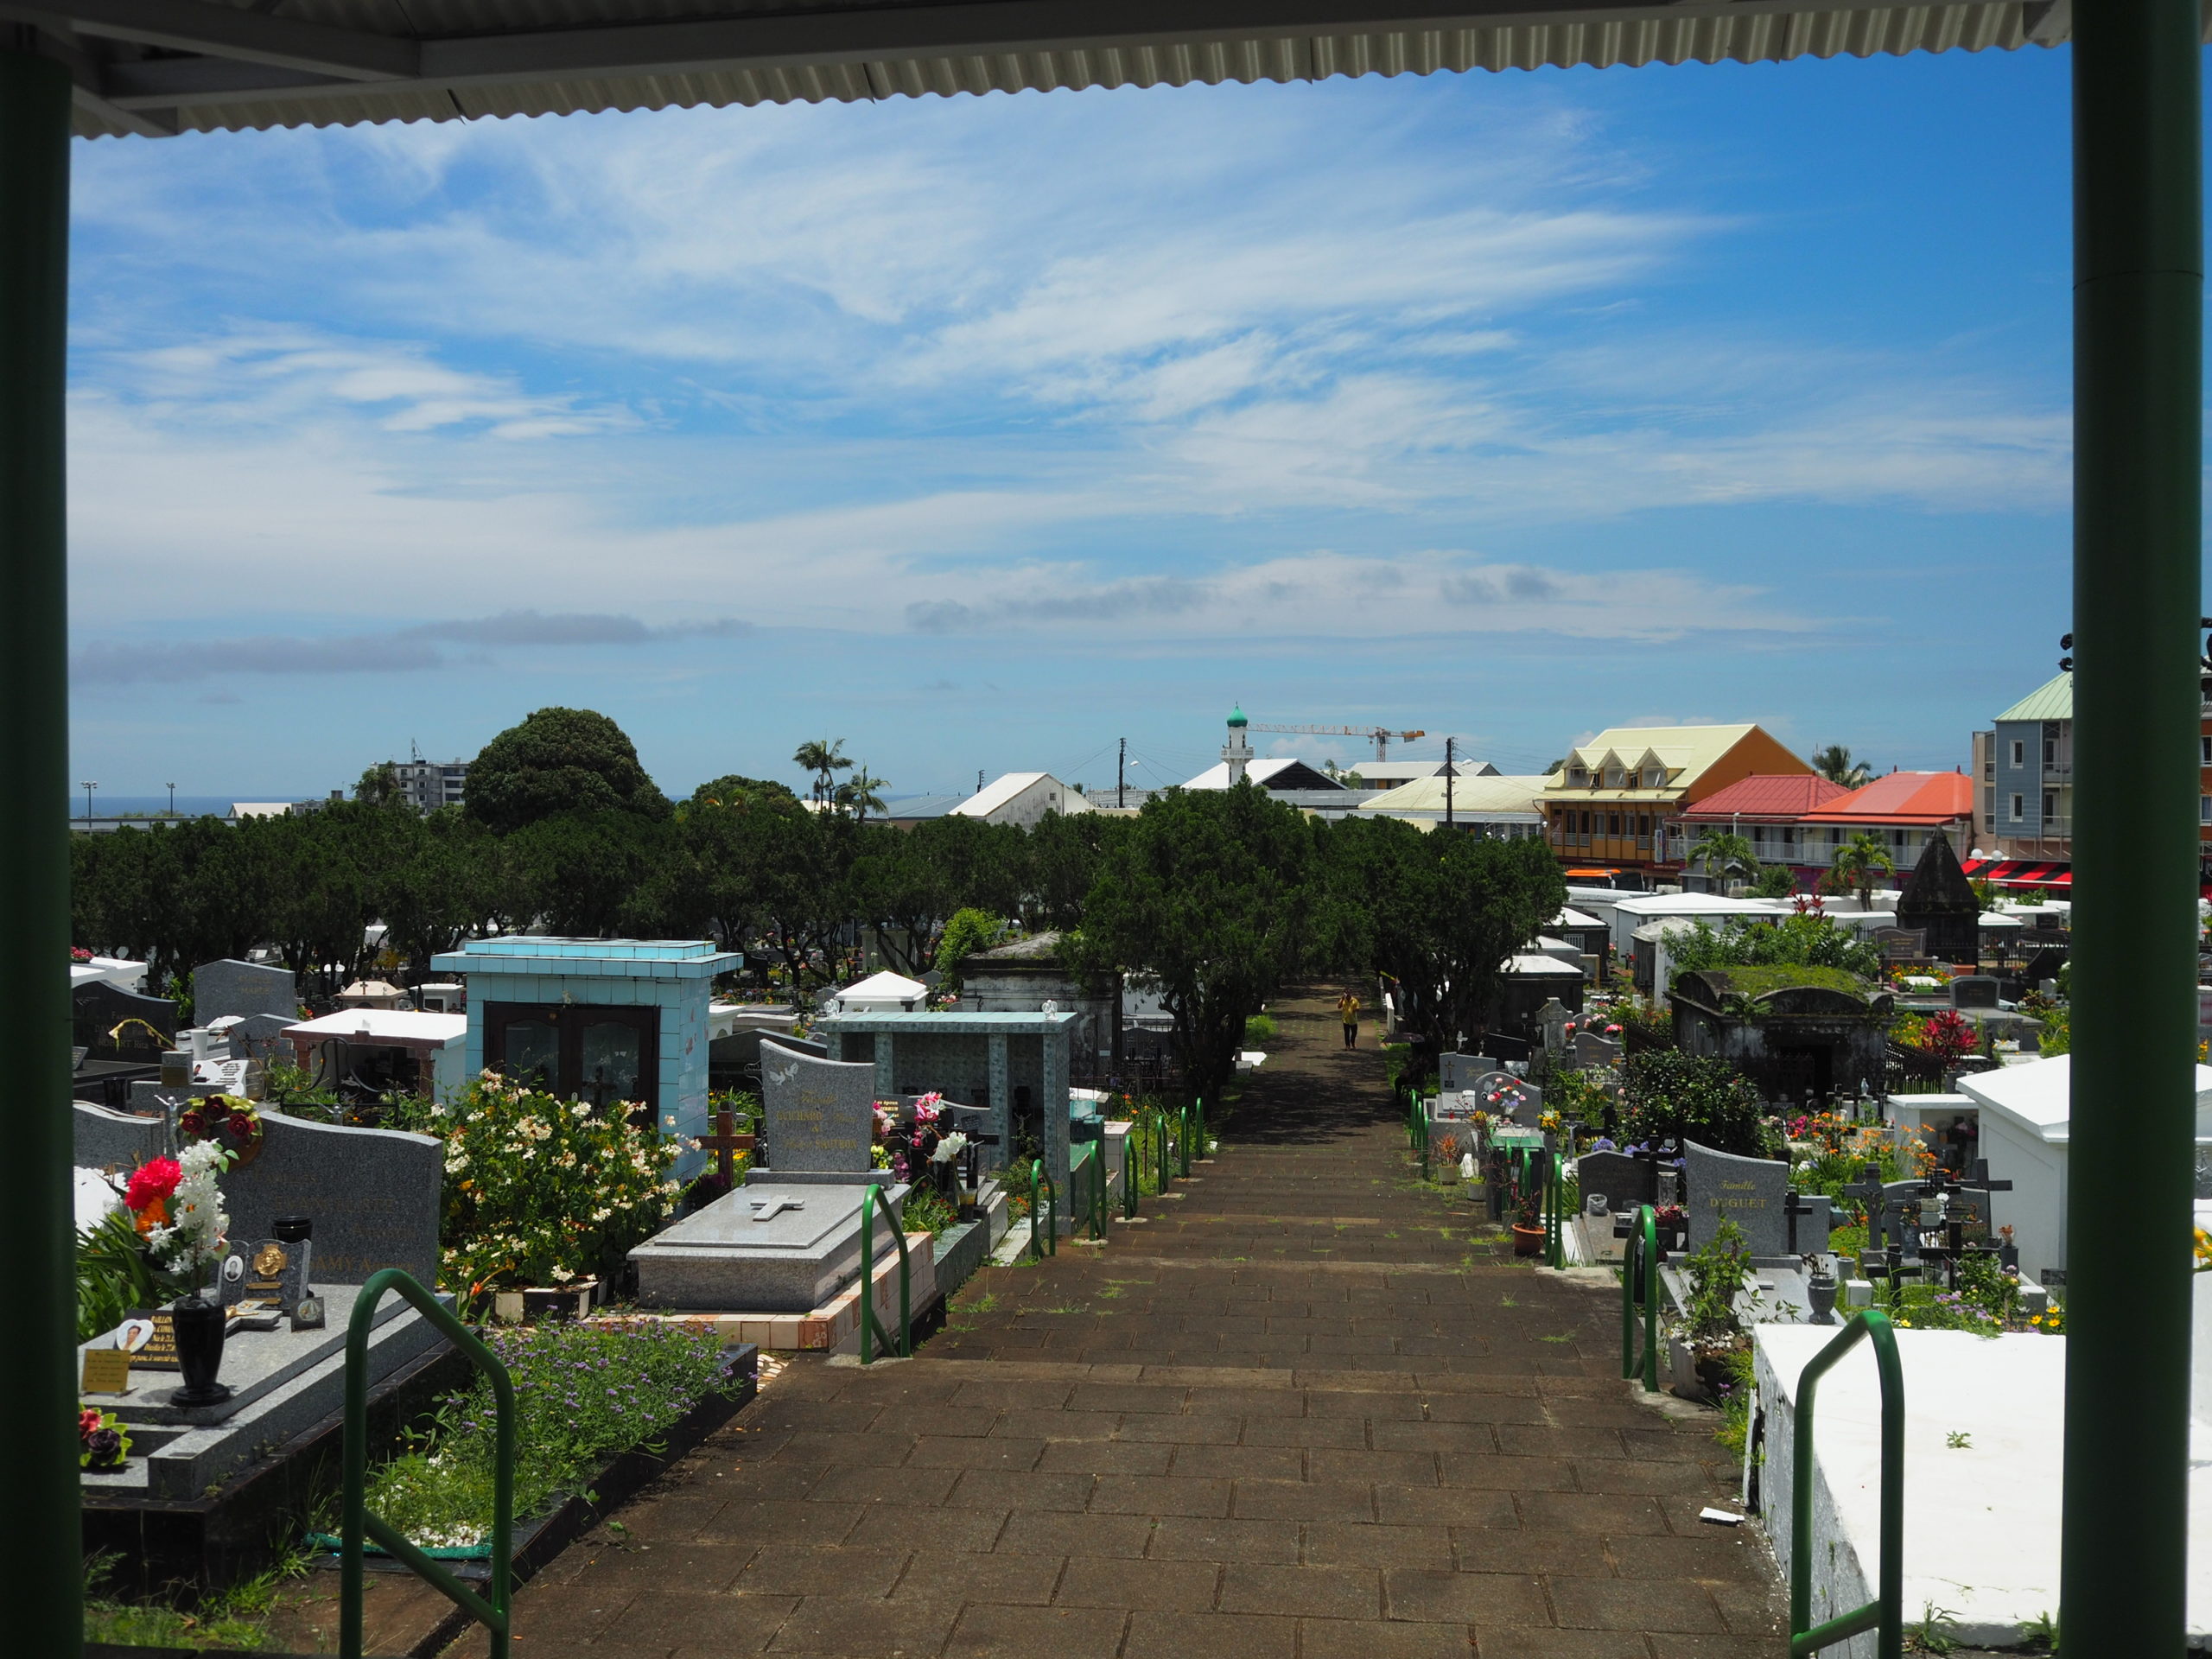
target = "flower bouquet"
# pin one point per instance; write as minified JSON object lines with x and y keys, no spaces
{"x":231,"y":1123}
{"x":178,"y":1209}
{"x":103,"y":1442}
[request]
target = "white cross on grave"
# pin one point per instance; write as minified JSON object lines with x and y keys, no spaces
{"x":769,"y":1209}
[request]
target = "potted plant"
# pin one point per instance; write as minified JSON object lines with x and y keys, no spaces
{"x":1712,"y":1327}
{"x":1527,"y":1222}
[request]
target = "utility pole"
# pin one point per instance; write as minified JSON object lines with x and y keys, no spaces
{"x":1121,"y":775}
{"x":1451,"y":744}
{"x":979,"y":780}
{"x":89,"y":788}
{"x":172,"y":790}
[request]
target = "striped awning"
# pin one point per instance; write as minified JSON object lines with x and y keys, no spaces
{"x":2019,"y":872}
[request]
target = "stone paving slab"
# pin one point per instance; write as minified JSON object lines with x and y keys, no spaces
{"x":1308,"y":1408}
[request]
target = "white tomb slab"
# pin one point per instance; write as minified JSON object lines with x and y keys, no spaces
{"x":2026,"y":1122}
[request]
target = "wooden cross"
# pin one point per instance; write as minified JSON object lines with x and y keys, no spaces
{"x":723,"y":1143}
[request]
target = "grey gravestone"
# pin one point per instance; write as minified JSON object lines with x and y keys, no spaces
{"x":1590,"y":1049}
{"x":819,"y":1116}
{"x":1973,"y":991}
{"x":109,"y":1140}
{"x":1455,"y":1106}
{"x":234,"y":987}
{"x":97,"y":1008}
{"x":268,"y":1271}
{"x":1885,"y":1223}
{"x":1625,"y":1181}
{"x":1461,"y":1070}
{"x":764,"y":1250}
{"x":372,"y":1195}
{"x":1815,"y":1221}
{"x":2204,"y":1172}
{"x":257,"y":1037}
{"x":1900,"y":944}
{"x":1753,"y":1192}
{"x":1553,"y":1017}
{"x":1525,"y":1099}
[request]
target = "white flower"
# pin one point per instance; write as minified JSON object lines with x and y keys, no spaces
{"x":949,"y":1148}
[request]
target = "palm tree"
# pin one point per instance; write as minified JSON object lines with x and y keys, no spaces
{"x":1857,"y":860}
{"x":857,"y":794}
{"x":1834,"y":763}
{"x":824,"y":758}
{"x":1724,"y":855}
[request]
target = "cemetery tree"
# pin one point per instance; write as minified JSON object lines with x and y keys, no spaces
{"x":1494,"y":897}
{"x":1856,"y":862}
{"x":559,"y":761}
{"x":1726,"y":856}
{"x":429,"y":894}
{"x":1204,"y":898}
{"x":825,"y":757}
{"x":898,"y":889}
{"x":592,"y":874}
{"x":1064,"y":851}
{"x":968,"y":932}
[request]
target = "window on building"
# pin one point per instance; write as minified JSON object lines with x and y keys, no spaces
{"x":1988,"y":803}
{"x":2050,"y":751}
{"x":1790,"y":834}
{"x":1577,"y":776}
{"x":2019,"y":753}
{"x":2019,"y":809}
{"x":2204,"y":808}
{"x":2050,"y":805}
{"x":2204,"y":751}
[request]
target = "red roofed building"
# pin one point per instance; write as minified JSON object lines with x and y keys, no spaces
{"x":1767,"y":809}
{"x":1802,"y":822}
{"x":1904,"y":808}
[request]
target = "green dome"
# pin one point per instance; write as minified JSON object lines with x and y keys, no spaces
{"x":1236,"y":718}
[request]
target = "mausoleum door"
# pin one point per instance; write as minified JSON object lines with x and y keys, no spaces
{"x":602,"y":1055}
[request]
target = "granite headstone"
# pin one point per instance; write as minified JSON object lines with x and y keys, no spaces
{"x":1753,"y":1192}
{"x":819,"y":1116}
{"x":98,"y":1016}
{"x":1591,"y":1049}
{"x":1625,"y":1182}
{"x":1459,"y":1071}
{"x":112,"y":1140}
{"x":234,"y":987}
{"x":271,"y":1270}
{"x":374,"y":1195}
{"x":1973,"y":991}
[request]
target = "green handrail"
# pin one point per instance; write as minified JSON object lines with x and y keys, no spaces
{"x":1184,"y":1147}
{"x":495,"y":1615}
{"x":1052,"y":1231}
{"x":1640,"y":1262}
{"x":1160,"y":1129}
{"x":1554,"y":1216}
{"x":1131,"y":1154}
{"x":1089,"y":1158}
{"x":872,"y":1325}
{"x":1884,"y":1615}
{"x":1199,"y":1114}
{"x":1421,"y":1130}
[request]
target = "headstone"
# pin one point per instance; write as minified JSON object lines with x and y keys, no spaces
{"x":819,"y":1116}
{"x":1753,"y":1192}
{"x":1973,"y":991}
{"x":1553,"y":1017}
{"x":1625,"y":1182}
{"x":1455,"y":1105}
{"x":372,"y":1195}
{"x":1591,"y":1049}
{"x":112,"y":1140}
{"x":257,"y":1036}
{"x":1900,"y":944}
{"x":1459,"y":1071}
{"x":99,"y":1018}
{"x":1896,"y":1219}
{"x":234,"y":987}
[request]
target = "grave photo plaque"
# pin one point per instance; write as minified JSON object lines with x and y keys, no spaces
{"x":269,"y":1271}
{"x":818,"y":1116}
{"x":1753,"y":1192}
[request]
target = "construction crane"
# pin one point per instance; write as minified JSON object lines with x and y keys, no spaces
{"x":1379,"y":736}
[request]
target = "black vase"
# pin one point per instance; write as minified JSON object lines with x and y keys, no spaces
{"x":199,"y":1325}
{"x":1821,"y":1289}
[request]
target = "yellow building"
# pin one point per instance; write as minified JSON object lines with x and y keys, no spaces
{"x":1606,"y":807}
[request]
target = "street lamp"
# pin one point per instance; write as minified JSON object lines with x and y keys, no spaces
{"x":89,"y":788}
{"x":172,"y":790}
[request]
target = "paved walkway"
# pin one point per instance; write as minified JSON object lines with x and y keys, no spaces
{"x":1298,"y":1411}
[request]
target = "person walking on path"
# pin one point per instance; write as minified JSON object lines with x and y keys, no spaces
{"x":1348,"y":1011}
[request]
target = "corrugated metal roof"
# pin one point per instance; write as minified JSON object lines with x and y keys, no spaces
{"x":2053,"y":700}
{"x":535,"y":57}
{"x":1765,"y":794}
{"x":1912,"y":797}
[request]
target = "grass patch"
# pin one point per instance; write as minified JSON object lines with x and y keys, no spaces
{"x":237,"y":1618}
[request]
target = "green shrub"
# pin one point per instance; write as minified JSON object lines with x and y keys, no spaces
{"x":1671,"y":1094}
{"x":1258,"y":1030}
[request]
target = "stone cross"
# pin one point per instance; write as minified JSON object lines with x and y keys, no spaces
{"x":769,"y":1208}
{"x":724,"y":1142}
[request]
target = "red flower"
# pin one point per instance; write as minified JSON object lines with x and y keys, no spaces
{"x":88,"y":1421}
{"x":193,"y":1124}
{"x":242,"y":1127}
{"x":154,"y":1183}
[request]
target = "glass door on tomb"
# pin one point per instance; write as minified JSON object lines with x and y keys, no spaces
{"x":602,"y":1055}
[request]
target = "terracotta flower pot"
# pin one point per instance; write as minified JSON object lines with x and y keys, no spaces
{"x":1528,"y":1240}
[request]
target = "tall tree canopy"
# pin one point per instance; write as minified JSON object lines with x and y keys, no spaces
{"x":559,"y":761}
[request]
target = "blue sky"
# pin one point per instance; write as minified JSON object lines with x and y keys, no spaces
{"x":984,"y":432}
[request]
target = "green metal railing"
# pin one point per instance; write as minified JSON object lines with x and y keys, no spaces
{"x":1132,"y":1156}
{"x":1884,"y":1615}
{"x":1088,"y":1159}
{"x":1420,"y":1134}
{"x":496,"y":1614}
{"x":1554,"y":1211}
{"x":871,"y":1323}
{"x":1052,"y":1230}
{"x":1640,"y":1282}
